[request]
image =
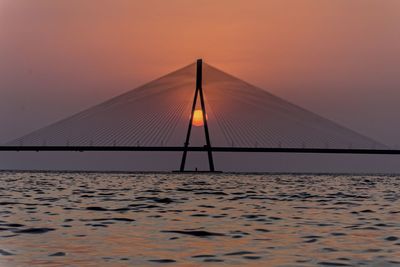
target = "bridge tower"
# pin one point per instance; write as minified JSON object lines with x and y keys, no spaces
{"x":198,"y":92}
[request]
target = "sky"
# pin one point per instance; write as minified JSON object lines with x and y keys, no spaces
{"x":340,"y":59}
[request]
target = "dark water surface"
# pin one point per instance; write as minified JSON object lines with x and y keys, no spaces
{"x":94,"y":219}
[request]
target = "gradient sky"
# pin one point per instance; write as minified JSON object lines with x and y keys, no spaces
{"x":340,"y":59}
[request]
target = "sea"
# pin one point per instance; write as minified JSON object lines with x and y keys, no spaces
{"x":198,"y":219}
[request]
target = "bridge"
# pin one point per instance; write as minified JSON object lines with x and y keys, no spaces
{"x":198,"y":109}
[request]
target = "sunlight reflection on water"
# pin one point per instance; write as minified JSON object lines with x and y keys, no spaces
{"x":103,"y":219}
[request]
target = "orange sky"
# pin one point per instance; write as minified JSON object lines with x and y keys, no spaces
{"x":338,"y":58}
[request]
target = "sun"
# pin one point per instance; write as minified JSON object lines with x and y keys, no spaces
{"x":198,"y":118}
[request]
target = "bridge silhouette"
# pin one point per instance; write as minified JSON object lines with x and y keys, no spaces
{"x":198,"y":109}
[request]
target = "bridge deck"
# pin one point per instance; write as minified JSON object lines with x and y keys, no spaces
{"x":202,"y":149}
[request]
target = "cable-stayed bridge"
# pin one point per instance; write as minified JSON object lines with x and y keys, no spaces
{"x":198,"y":109}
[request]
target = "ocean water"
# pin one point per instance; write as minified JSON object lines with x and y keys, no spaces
{"x":104,"y":219}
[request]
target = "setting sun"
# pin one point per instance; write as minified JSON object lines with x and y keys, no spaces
{"x":198,"y":118}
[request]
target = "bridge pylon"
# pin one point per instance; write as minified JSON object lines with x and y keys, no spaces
{"x":198,"y":93}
